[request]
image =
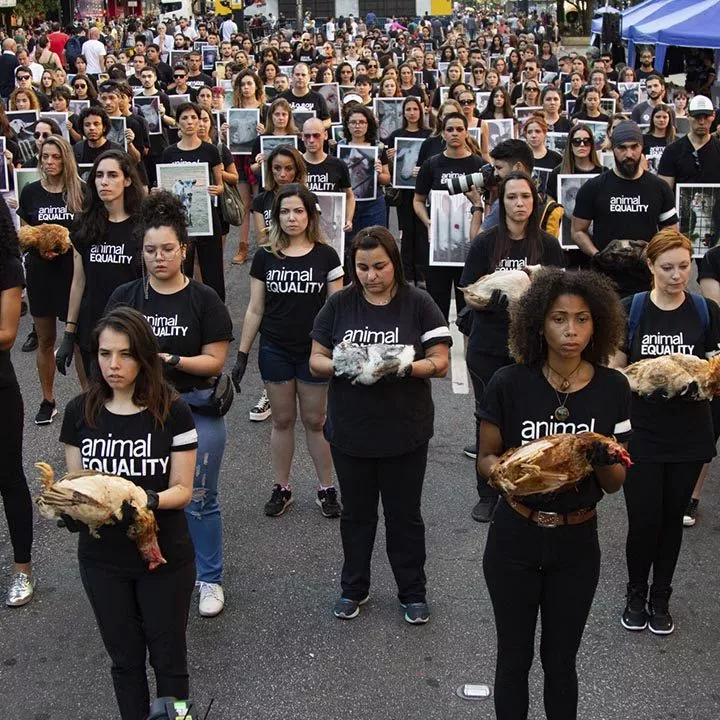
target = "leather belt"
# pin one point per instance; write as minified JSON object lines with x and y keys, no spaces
{"x":551,"y":519}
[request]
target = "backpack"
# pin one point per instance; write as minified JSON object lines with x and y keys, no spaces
{"x":551,"y":217}
{"x":637,"y":307}
{"x":73,"y":48}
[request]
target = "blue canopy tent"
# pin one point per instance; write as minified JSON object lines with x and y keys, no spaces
{"x":629,"y":16}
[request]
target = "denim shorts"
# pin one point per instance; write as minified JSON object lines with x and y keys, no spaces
{"x":278,"y":365}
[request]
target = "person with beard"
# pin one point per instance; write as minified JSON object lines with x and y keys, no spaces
{"x":646,"y":68}
{"x":655,"y":88}
{"x":627,"y":202}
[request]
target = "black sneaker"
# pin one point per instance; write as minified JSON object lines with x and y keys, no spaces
{"x":471,"y":451}
{"x":31,"y":343}
{"x":46,"y":413}
{"x":484,"y":509}
{"x":279,"y":501}
{"x":635,"y":616}
{"x":417,"y":613}
{"x":328,"y":502}
{"x":661,"y":622}
{"x":690,"y":516}
{"x":347,"y":609}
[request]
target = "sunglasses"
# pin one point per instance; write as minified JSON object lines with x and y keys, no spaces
{"x":22,"y":77}
{"x":179,"y":77}
{"x":42,"y":135}
{"x":312,"y":136}
{"x":372,"y":65}
{"x":579,"y":142}
{"x":81,"y":86}
{"x":466,"y":102}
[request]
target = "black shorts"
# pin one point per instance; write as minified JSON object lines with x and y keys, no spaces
{"x":48,"y":284}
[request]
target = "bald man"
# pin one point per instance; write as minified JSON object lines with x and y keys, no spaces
{"x":94,"y":52}
{"x":8,"y":63}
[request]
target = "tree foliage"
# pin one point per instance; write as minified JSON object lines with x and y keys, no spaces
{"x":29,"y":9}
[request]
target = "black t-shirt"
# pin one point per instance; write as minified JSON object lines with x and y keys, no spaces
{"x":182,"y":322}
{"x":331,"y":175}
{"x":520,"y":402}
{"x":625,"y":209}
{"x":433,"y":145}
{"x":311,"y":101}
{"x":198,"y":82}
{"x":710,"y":265}
{"x":678,"y":429}
{"x":136,"y":448}
{"x":393,"y":416}
{"x":262,"y":203}
{"x":438,"y":169}
{"x":295,"y":290}
{"x":563,"y":125}
{"x":11,"y":276}
{"x":84,"y":154}
{"x":108,"y":264}
{"x":679,"y":162}
{"x":653,"y":146}
{"x":489,"y":333}
{"x":584,"y":117}
{"x":38,"y":206}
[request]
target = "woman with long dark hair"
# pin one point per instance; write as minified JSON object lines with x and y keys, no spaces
{"x":13,"y":485}
{"x":129,"y":411}
{"x":282,"y":311}
{"x":579,"y":157}
{"x":542,"y":553}
{"x":514,"y":243}
{"x":193,"y":328}
{"x":105,"y":251}
{"x":379,"y":433}
{"x":499,"y":106}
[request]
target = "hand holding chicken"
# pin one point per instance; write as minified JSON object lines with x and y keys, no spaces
{"x":674,"y":375}
{"x":366,"y":364}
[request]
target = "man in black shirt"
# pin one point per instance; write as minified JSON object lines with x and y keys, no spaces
{"x":646,"y":65}
{"x":196,"y":78}
{"x":180,"y":75}
{"x":8,"y":63}
{"x":23,"y":81}
{"x":95,"y":125}
{"x":163,"y":71}
{"x":301,"y":97}
{"x":326,"y":173}
{"x":306,"y":52}
{"x":158,"y":142}
{"x":531,"y":71}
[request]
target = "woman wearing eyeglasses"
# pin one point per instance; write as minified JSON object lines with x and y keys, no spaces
{"x":193,"y":329}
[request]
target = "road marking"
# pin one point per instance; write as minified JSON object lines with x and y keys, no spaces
{"x":458,"y":368}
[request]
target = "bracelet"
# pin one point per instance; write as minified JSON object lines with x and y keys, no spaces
{"x":475,"y":208}
{"x":70,"y":322}
{"x":432,"y":362}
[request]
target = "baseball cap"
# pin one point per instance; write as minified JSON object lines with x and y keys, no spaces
{"x":700,"y":105}
{"x":352,"y":97}
{"x":593,"y":52}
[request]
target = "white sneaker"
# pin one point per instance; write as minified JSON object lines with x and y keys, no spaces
{"x":261,"y":410}
{"x":212,"y":599}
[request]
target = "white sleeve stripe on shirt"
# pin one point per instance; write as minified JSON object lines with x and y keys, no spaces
{"x":335,"y":273}
{"x":622,"y":427}
{"x":666,"y":215}
{"x":186,"y":438}
{"x":437,"y":332}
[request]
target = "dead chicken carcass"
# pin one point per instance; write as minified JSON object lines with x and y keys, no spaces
{"x":674,"y":375}
{"x":551,"y":463}
{"x":513,"y":283}
{"x":96,"y":500}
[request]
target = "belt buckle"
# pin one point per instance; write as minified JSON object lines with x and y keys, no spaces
{"x":548,"y":519}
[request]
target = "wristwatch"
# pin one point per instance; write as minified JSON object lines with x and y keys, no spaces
{"x":475,"y":208}
{"x":173,"y":361}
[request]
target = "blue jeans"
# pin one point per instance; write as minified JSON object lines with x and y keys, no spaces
{"x":367,"y":213}
{"x":203,"y":512}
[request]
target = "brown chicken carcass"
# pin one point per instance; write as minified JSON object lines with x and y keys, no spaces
{"x":513,"y":283}
{"x":673,"y":374}
{"x":551,"y":463}
{"x":621,"y":255}
{"x":45,"y":238}
{"x":96,"y":500}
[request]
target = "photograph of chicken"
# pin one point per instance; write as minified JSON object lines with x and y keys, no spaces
{"x":676,"y":375}
{"x":513,"y":283}
{"x":95,"y":500}
{"x":552,"y":463}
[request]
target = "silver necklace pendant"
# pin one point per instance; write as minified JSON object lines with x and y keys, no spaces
{"x":561,"y":413}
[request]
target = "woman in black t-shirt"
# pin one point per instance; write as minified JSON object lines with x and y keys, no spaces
{"x":13,"y":485}
{"x":673,"y":438}
{"x":131,"y":423}
{"x":105,"y":252}
{"x":379,"y":432}
{"x":290,"y":279}
{"x":515,"y":243}
{"x":191,"y":149}
{"x":542,"y":551}
{"x":194,"y":329}
{"x":413,"y":126}
{"x":53,"y":199}
{"x":660,"y":135}
{"x":535,"y":131}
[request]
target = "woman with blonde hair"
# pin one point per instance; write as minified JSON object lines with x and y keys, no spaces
{"x":21,"y":99}
{"x":282,"y":308}
{"x":54,"y":199}
{"x":279,"y":122}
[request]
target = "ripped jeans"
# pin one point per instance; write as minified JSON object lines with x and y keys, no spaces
{"x":203,"y":512}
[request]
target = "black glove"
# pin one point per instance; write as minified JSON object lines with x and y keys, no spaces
{"x":64,"y":354}
{"x":599,"y":455}
{"x":153,"y":499}
{"x":239,"y":370}
{"x":659,"y":395}
{"x":71,"y":525}
{"x":498,"y":302}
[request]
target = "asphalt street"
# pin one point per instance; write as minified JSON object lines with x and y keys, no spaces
{"x":277,"y":652}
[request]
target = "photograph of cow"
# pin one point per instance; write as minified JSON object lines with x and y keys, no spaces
{"x":406,"y":159}
{"x":189,"y":182}
{"x":242,"y":129}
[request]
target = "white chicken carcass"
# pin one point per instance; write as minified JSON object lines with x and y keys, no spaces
{"x":674,"y":374}
{"x":95,"y":500}
{"x":366,"y":364}
{"x":513,"y":283}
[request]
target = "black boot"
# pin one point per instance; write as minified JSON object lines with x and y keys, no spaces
{"x":661,"y":622}
{"x":635,"y":616}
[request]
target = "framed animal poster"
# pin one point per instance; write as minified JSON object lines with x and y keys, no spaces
{"x":450,"y":219}
{"x":23,"y":177}
{"x":360,"y":161}
{"x":118,"y":126}
{"x":568,"y":187}
{"x":407,"y":151}
{"x":698,"y":208}
{"x":189,"y":182}
{"x":331,"y":93}
{"x":4,"y":179}
{"x":332,"y":220}
{"x":148,"y":107}
{"x":389,"y":114}
{"x":499,"y":131}
{"x":242,"y":129}
{"x":269,"y":142}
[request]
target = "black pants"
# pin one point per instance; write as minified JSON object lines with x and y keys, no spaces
{"x":13,"y":485}
{"x":482,"y":367}
{"x":554,"y":570}
{"x":137,"y":613}
{"x":398,"y":480}
{"x":210,"y":258}
{"x":414,"y":243}
{"x":656,"y":496}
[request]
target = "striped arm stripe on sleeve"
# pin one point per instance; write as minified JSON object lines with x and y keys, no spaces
{"x":187,"y":438}
{"x":667,"y":215}
{"x":335,"y":273}
{"x":438,"y":332}
{"x":622,"y":427}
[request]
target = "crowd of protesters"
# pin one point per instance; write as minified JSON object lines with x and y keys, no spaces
{"x":568,"y":152}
